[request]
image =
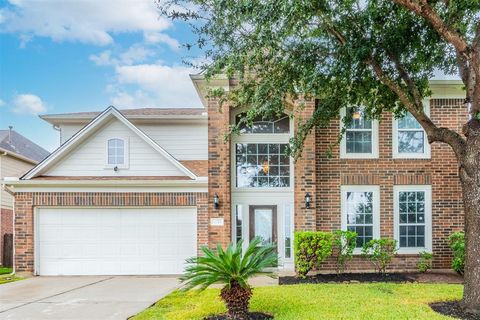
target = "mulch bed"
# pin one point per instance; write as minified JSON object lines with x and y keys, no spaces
{"x":251,"y":316}
{"x":453,"y":309}
{"x":374,"y":277}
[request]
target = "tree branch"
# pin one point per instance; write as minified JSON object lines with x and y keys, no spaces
{"x":434,"y":133}
{"x":412,"y":87}
{"x":423,"y":9}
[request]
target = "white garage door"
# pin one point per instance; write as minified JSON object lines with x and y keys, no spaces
{"x":116,"y":241}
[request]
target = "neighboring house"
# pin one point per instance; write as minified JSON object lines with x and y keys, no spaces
{"x":17,"y":156}
{"x":138,"y":191}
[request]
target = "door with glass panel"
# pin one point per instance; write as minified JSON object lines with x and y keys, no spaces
{"x":263,"y":224}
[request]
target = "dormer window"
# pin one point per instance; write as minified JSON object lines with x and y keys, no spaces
{"x":280,"y":124}
{"x":117,"y":152}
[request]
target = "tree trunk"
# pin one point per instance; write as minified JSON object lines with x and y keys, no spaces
{"x":237,"y":300}
{"x":470,"y":177}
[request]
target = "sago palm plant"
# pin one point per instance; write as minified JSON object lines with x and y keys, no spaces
{"x":231,"y":268}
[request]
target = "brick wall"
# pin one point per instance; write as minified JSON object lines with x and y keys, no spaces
{"x":25,"y":204}
{"x":440,"y":171}
{"x":6,"y":226}
{"x":219,"y":171}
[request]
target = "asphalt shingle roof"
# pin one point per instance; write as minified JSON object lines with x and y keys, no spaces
{"x":19,"y":144}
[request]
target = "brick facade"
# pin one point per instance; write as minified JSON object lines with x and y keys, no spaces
{"x":25,"y":204}
{"x":441,"y":172}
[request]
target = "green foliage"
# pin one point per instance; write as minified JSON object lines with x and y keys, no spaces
{"x":343,"y":246}
{"x":311,"y":249}
{"x":228,"y":266}
{"x":380,"y":252}
{"x":322,"y":49}
{"x":425,"y":262}
{"x":457,"y":244}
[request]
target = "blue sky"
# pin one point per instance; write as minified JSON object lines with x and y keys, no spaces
{"x":65,"y":56}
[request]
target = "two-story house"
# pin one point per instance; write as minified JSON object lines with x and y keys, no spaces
{"x":138,"y":191}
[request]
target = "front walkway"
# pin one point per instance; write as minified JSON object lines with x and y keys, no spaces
{"x":75,"y":298}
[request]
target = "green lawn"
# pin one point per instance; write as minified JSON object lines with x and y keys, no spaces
{"x":5,"y":276}
{"x":4,"y":270}
{"x":319,"y":301}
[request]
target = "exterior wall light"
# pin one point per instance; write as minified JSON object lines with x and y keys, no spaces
{"x":216,"y":201}
{"x":308,"y":200}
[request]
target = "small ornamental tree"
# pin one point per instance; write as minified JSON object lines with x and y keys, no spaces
{"x":232,"y":269}
{"x":379,"y":54}
{"x":457,"y":244}
{"x":380,"y":252}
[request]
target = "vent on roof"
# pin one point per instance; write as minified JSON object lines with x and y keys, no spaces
{"x":10,"y":128}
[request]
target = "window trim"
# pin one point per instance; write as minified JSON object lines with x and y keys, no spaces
{"x":426,"y":146}
{"x":375,"y":189}
{"x":343,"y":144}
{"x":259,"y":138}
{"x":428,"y":217}
{"x":126,"y":153}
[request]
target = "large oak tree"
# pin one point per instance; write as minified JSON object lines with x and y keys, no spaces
{"x":376,"y":53}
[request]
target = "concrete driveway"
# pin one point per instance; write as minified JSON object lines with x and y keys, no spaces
{"x":102,"y":297}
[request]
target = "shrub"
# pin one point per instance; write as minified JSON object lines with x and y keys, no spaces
{"x":343,"y":246}
{"x":457,"y":244}
{"x":380,"y":252}
{"x":425,"y":262}
{"x":311,"y":249}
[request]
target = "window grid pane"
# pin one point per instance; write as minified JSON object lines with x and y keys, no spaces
{"x":360,"y":215}
{"x":288,"y":231}
{"x":116,"y":149}
{"x":262,"y":165}
{"x":411,"y":137}
{"x":412,"y":219}
{"x":260,"y":126}
{"x":238,"y":223}
{"x":358,"y":133}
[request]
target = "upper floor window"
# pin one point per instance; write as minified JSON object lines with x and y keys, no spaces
{"x":361,"y":135}
{"x":279,"y":124}
{"x":117,"y":152}
{"x":409,"y":138}
{"x":262,"y":165}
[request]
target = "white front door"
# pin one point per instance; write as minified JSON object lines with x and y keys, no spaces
{"x":114,"y":241}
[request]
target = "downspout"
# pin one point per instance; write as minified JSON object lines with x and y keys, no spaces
{"x":56,"y":127}
{"x":4,"y":187}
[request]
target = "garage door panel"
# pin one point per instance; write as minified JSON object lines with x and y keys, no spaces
{"x":114,"y":241}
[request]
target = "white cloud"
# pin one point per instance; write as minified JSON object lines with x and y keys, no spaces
{"x":158,"y":37}
{"x":134,"y":54}
{"x":28,"y":104}
{"x":157,"y":85}
{"x":104,"y":58}
{"x":2,"y":103}
{"x":87,"y":21}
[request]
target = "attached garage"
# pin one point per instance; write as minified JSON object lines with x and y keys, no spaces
{"x":114,"y":241}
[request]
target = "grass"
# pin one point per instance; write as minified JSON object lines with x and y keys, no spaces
{"x":316,"y":301}
{"x":4,"y":270}
{"x":5,"y":276}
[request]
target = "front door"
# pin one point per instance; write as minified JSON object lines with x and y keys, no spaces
{"x":263,"y":223}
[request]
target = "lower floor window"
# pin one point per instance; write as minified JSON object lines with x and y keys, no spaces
{"x":360,"y":212}
{"x":413,"y":217}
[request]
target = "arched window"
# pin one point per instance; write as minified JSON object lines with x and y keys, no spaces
{"x":116,"y":152}
{"x":279,"y":124}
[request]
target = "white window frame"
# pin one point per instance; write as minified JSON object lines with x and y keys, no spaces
{"x":259,"y":138}
{"x":428,"y":217}
{"x":375,"y":189}
{"x":343,"y":144}
{"x":126,"y":153}
{"x":426,"y":146}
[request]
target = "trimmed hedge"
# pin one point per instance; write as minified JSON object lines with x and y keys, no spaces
{"x":311,"y":249}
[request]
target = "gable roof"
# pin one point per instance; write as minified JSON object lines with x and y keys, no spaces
{"x":77,"y":138}
{"x":140,"y":113}
{"x":16,"y":144}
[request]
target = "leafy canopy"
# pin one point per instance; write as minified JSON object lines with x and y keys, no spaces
{"x":229,"y":266}
{"x":330,"y":49}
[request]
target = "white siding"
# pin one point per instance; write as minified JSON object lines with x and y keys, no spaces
{"x":89,"y":158}
{"x":11,"y":167}
{"x":68,"y":130}
{"x":185,"y":141}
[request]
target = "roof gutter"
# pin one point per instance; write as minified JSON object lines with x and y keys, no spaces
{"x":5,"y":152}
